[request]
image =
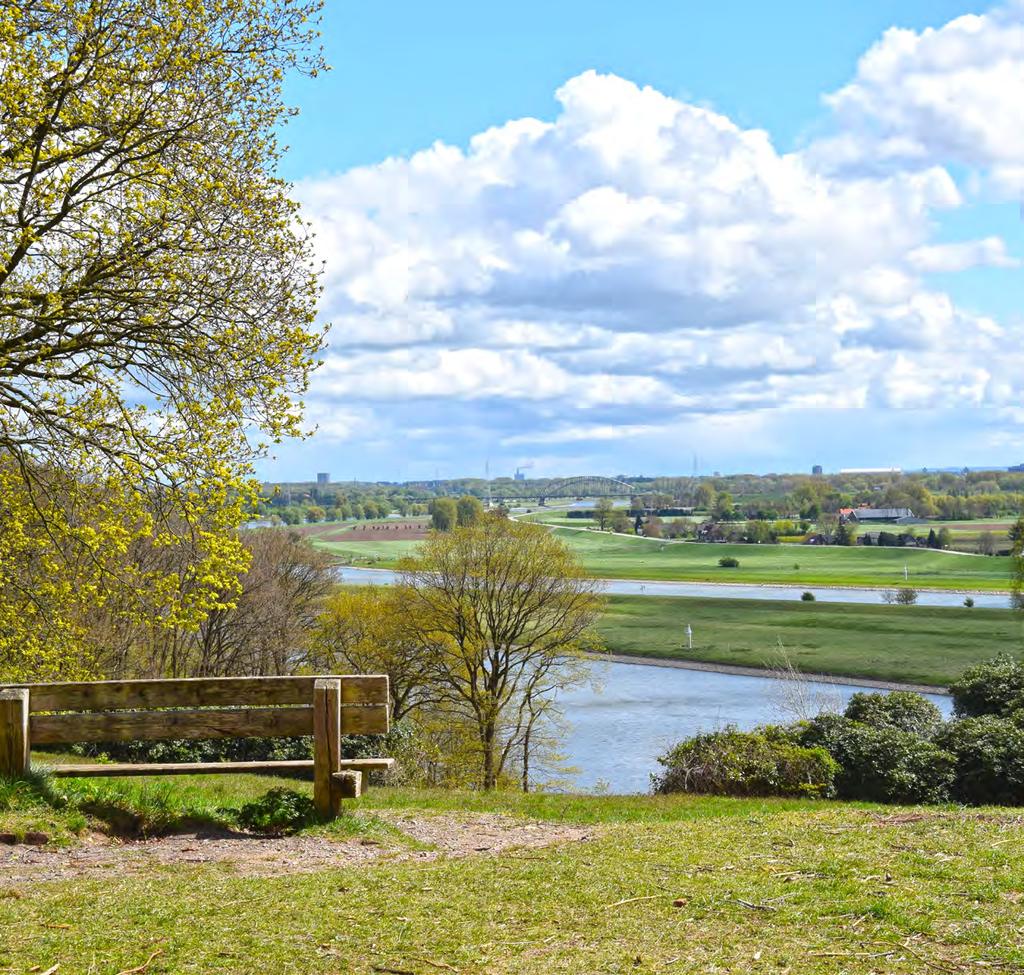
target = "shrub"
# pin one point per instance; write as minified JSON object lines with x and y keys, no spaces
{"x":729,"y":562}
{"x":905,"y":596}
{"x":882,"y":764}
{"x":969,"y":603}
{"x":993,"y":687}
{"x":903,"y":710}
{"x":808,"y":597}
{"x":736,"y":763}
{"x":989,"y":754}
{"x":278,"y":811}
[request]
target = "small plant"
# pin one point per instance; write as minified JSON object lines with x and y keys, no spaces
{"x":279,"y":811}
{"x":729,"y":562}
{"x":808,"y":597}
{"x":969,"y":603}
{"x":905,"y":596}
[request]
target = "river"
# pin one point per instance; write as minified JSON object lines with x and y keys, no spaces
{"x":617,"y":732}
{"x":824,"y":594}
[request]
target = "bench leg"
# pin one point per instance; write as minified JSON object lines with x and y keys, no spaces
{"x":326,"y":746}
{"x":14,"y":743}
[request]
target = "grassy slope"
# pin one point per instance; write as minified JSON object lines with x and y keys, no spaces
{"x":618,"y":557}
{"x":763,"y":885}
{"x":918,"y":644}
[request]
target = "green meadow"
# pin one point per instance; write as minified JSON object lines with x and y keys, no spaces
{"x":913,"y":644}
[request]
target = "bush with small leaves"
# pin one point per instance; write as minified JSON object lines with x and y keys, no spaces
{"x":903,"y":710}
{"x":764,"y":762}
{"x":808,"y":597}
{"x":883,"y":764}
{"x":995,"y":686}
{"x":279,"y":811}
{"x":729,"y":562}
{"x":989,"y":754}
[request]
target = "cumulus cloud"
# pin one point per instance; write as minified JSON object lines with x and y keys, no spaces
{"x":638,"y":260}
{"x":952,"y":93}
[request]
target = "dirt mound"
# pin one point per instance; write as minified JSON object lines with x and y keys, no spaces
{"x":432,"y":837}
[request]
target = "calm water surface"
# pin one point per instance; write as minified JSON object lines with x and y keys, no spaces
{"x":618,"y":732}
{"x":630,"y":587}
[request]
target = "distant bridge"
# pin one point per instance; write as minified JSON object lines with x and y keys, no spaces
{"x":589,"y":486}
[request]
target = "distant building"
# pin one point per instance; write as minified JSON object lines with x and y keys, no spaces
{"x":323,"y":480}
{"x":1016,"y":469}
{"x":817,"y":470}
{"x":860,"y":515}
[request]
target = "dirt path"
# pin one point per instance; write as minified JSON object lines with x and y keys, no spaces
{"x":433,"y":837}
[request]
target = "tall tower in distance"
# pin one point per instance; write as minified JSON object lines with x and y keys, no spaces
{"x":322,"y":480}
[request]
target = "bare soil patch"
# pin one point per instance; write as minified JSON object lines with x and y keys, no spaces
{"x":434,"y":837}
{"x":397,"y":531}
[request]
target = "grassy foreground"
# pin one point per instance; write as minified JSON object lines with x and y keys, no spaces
{"x":663,"y":885}
{"x":913,"y":644}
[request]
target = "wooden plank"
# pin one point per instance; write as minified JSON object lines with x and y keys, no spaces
{"x":372,"y":720}
{"x":110,"y":770}
{"x":194,"y":692}
{"x":98,"y":770}
{"x":59,"y":729}
{"x":14,"y":734}
{"x":326,"y":746}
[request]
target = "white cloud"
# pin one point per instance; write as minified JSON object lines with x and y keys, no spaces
{"x":640,"y":262}
{"x":990,"y":252}
{"x":951,"y":95}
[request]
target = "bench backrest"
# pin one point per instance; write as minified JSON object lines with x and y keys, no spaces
{"x":207,"y":707}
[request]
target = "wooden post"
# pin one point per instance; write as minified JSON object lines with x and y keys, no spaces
{"x":349,"y":784}
{"x":14,"y":743}
{"x":326,"y":746}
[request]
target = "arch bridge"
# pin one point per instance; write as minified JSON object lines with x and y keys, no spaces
{"x":588,"y":486}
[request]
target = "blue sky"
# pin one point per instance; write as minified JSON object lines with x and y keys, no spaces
{"x":606,"y":237}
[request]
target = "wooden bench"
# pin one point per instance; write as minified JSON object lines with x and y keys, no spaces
{"x":219,"y":707}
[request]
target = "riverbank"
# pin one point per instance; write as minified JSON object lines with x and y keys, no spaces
{"x":905,"y":645}
{"x":740,"y":671}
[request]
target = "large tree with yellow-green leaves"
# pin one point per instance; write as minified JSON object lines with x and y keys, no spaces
{"x":157,"y":301}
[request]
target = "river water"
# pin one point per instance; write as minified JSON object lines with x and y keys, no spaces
{"x":630,"y":587}
{"x":617,"y":732}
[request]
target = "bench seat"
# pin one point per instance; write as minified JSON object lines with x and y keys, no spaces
{"x":111,"y":769}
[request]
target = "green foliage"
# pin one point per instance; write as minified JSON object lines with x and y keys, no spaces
{"x":882,"y":764}
{"x":737,"y":763}
{"x":468,"y":510}
{"x":993,"y":687}
{"x":903,"y":710}
{"x":808,"y":597}
{"x":729,"y":562}
{"x":278,"y":811}
{"x":989,"y":755}
{"x":444,"y":514}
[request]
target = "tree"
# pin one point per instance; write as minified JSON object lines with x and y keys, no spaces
{"x":621,"y":521}
{"x":603,"y":511}
{"x":315,"y":514}
{"x":705,"y":496}
{"x":987,"y":543}
{"x":1017,"y":562}
{"x":724,"y":509}
{"x":157,"y":299}
{"x":365,"y":630}
{"x":508,"y":608}
{"x":469,"y":510}
{"x":444,"y":514}
{"x":846,"y":534}
{"x":944,"y":538}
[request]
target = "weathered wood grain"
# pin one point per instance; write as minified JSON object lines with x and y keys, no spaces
{"x":326,"y":746}
{"x":14,"y":735}
{"x":60,"y":729}
{"x":348,"y":784}
{"x":120,"y":769}
{"x":195,"y":692}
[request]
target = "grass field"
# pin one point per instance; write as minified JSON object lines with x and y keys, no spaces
{"x":618,"y":557}
{"x":678,"y":885}
{"x":912,"y":644}
{"x":623,"y":557}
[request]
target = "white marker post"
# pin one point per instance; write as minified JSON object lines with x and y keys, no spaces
{"x":906,"y":572}
{"x":689,"y":637}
